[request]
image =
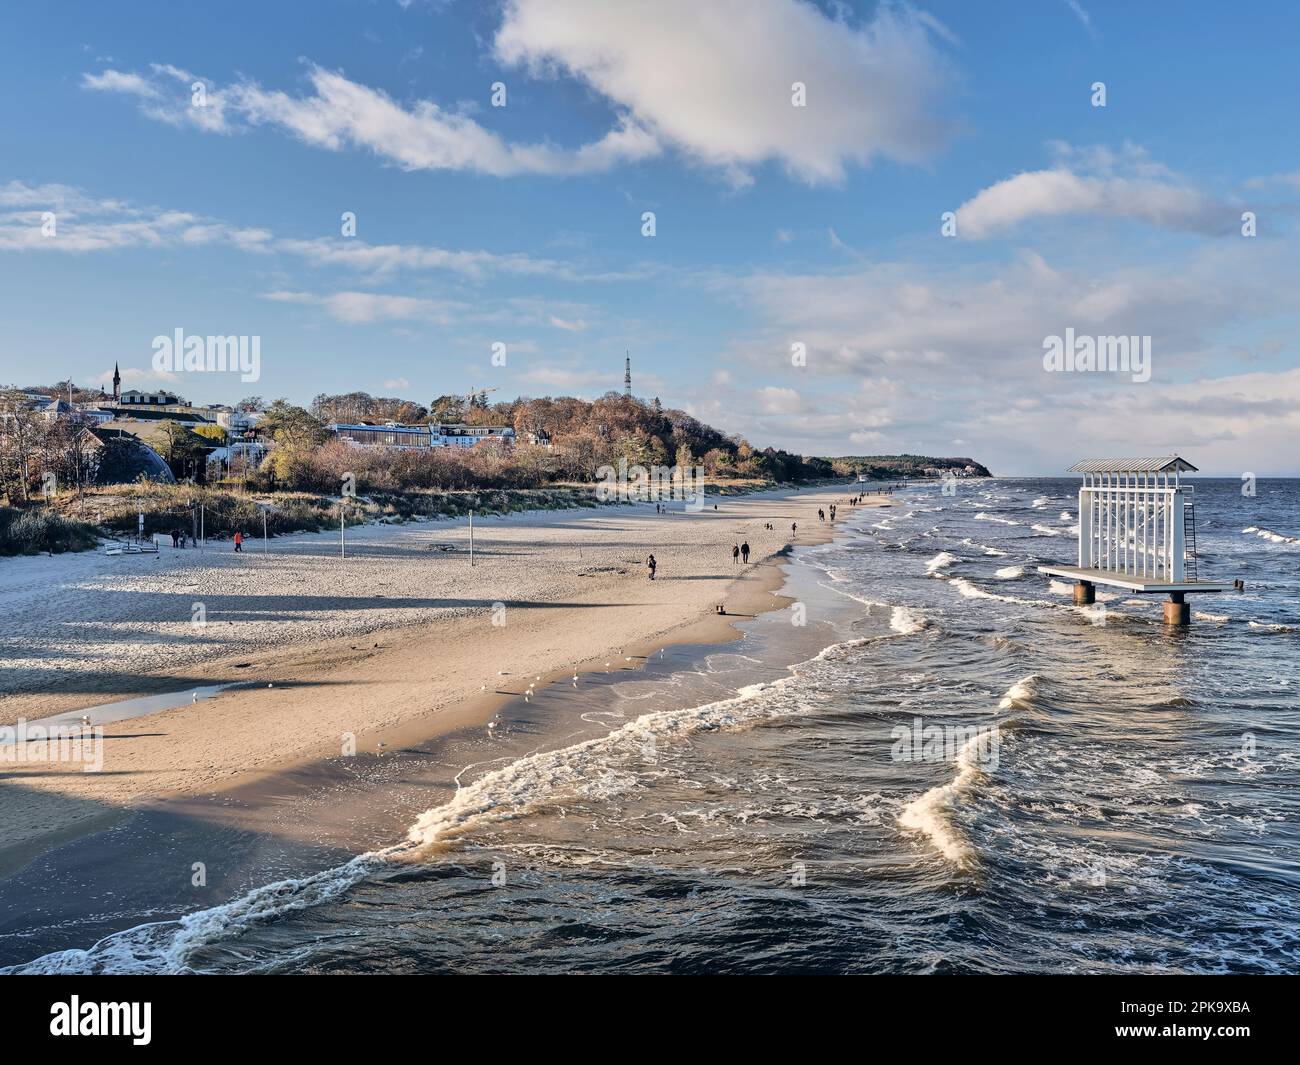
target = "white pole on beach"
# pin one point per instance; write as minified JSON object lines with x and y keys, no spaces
{"x":471,"y":538}
{"x":203,"y":532}
{"x":343,"y":551}
{"x":264,"y":530}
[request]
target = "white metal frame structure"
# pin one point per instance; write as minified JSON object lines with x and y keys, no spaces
{"x":1132,"y":517}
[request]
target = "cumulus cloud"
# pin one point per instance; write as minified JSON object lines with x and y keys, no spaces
{"x":1098,"y":183}
{"x":720,"y":94}
{"x":337,"y":113}
{"x":911,"y":356}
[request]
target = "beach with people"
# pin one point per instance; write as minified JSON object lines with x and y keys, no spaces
{"x":288,"y":647}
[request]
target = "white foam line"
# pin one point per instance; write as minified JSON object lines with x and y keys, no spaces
{"x":582,"y":770}
{"x":931,"y":812}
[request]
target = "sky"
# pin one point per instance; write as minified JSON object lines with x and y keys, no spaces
{"x":868,"y":218}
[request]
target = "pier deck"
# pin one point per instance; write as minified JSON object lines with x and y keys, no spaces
{"x":1133,"y":582}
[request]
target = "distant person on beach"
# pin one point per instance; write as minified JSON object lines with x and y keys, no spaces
{"x":651,"y":564}
{"x":744,"y":552}
{"x":794,"y":527}
{"x":176,"y":536}
{"x":239,"y":540}
{"x":735,"y":554}
{"x":821,"y":514}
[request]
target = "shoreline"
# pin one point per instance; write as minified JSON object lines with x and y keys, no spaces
{"x":253,"y":757}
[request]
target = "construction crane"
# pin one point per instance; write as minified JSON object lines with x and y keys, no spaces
{"x":469,"y":397}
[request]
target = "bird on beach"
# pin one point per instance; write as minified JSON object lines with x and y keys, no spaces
{"x":194,"y":698}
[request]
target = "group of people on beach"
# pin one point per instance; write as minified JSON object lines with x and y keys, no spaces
{"x":179,"y":538}
{"x":740,"y":552}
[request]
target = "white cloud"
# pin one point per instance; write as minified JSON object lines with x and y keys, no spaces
{"x":85,"y":224}
{"x":397,"y":384}
{"x":775,"y":400}
{"x":338,"y":113}
{"x":564,"y":380}
{"x":361,"y":307}
{"x":576,"y":326}
{"x":1098,"y":184}
{"x":714,"y":80}
{"x":117,"y":81}
{"x":1081,"y":13}
{"x":719,"y":92}
{"x":914,"y":356}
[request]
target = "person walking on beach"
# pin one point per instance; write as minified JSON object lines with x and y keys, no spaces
{"x":744,"y":552}
{"x":794,"y":527}
{"x":735,"y":554}
{"x":650,"y":565}
{"x":176,"y":536}
{"x":821,"y":514}
{"x":239,"y":540}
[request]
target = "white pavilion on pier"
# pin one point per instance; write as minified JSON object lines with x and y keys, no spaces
{"x":1137,"y":531}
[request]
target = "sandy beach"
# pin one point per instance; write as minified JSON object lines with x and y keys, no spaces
{"x":402,"y":638}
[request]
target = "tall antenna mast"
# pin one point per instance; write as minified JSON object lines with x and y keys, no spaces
{"x":627,"y":373}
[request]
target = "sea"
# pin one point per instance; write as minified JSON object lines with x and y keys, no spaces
{"x":931,"y":761}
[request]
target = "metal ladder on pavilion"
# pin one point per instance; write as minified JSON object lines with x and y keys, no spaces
{"x":1189,"y":539}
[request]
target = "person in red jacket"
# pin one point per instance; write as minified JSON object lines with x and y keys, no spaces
{"x":239,"y":541}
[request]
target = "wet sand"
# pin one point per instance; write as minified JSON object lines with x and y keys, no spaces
{"x":230,"y":761}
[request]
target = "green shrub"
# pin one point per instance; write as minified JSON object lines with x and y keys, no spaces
{"x":32,"y":532}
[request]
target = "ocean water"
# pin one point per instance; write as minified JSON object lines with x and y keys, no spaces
{"x":933,"y":762}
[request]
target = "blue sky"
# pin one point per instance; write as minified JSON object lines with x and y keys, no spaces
{"x":775,"y":225}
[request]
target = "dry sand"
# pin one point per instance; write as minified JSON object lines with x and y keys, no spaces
{"x":398,"y":637}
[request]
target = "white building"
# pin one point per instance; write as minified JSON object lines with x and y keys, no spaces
{"x":397,"y":435}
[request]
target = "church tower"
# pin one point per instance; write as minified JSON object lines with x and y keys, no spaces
{"x":117,"y":384}
{"x":627,"y":375}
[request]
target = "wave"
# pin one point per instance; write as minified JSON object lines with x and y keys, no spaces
{"x":1066,"y":516}
{"x":1270,"y":535}
{"x":1271,"y":626}
{"x":1046,"y":530}
{"x":943,"y":558}
{"x":931,"y":812}
{"x":905,"y":621}
{"x":1041,"y":502}
{"x":585,"y":770}
{"x":981,"y":516}
{"x":985,"y":548}
{"x":1010,"y":573}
